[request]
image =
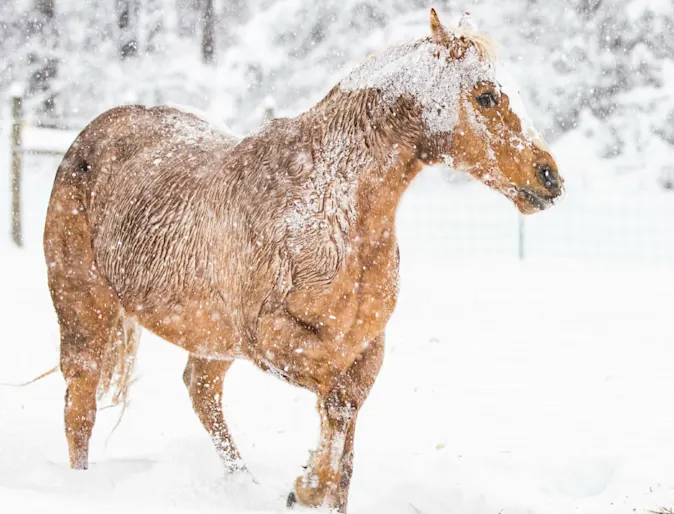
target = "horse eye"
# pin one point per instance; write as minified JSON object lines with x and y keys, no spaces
{"x":487,"y":100}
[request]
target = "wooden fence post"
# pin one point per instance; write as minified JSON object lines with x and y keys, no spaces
{"x":17,"y":116}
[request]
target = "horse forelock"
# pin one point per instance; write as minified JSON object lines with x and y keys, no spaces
{"x":486,"y":46}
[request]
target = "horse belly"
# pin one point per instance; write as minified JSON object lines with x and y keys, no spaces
{"x":169,"y":296}
{"x":200,"y":329}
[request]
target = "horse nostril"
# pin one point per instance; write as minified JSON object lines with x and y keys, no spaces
{"x":548,"y":176}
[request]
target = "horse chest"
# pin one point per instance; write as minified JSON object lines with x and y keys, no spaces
{"x":354,"y":306}
{"x":377,"y":290}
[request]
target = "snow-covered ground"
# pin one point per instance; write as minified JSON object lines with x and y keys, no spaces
{"x":542,"y":386}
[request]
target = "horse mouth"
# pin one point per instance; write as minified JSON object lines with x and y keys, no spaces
{"x":529,"y":202}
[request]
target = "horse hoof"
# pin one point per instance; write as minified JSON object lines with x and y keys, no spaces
{"x":80,"y":465}
{"x":291,"y":501}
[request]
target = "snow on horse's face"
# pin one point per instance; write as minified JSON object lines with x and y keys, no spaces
{"x":471,"y":115}
{"x":493,"y":137}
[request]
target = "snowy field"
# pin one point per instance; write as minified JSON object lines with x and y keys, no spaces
{"x":542,"y":386}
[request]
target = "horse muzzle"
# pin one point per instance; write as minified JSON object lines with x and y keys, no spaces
{"x":529,"y":201}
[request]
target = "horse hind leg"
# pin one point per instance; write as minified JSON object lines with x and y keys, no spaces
{"x":86,"y":329}
{"x":80,"y":366}
{"x":88,"y":313}
{"x":204,"y":379}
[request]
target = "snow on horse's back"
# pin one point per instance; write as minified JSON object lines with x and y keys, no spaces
{"x":209,"y":117}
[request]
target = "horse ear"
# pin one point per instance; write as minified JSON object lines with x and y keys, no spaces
{"x":438,"y":32}
{"x":467,"y":23}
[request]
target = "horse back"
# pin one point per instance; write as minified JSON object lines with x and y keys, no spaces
{"x":125,"y":132}
{"x":141,"y":179}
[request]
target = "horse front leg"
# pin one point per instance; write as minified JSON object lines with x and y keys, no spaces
{"x":328,"y":474}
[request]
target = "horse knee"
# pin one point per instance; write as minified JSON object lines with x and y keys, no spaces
{"x":347,"y":397}
{"x":340,"y":409}
{"x":350,"y":392}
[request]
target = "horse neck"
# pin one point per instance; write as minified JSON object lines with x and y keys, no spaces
{"x":370,"y":145}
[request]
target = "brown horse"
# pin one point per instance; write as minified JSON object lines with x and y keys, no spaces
{"x":279,"y":248}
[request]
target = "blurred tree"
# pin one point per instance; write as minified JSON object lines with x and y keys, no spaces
{"x":208,"y":33}
{"x":44,"y":63}
{"x":127,"y":20}
{"x":46,"y":8}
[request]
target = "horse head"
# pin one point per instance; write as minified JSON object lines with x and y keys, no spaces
{"x":471,"y":115}
{"x":494,"y":139}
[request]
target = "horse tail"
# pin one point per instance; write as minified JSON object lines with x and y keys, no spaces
{"x":72,"y":193}
{"x":119,"y":359}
